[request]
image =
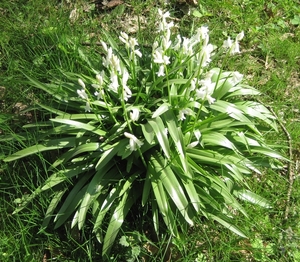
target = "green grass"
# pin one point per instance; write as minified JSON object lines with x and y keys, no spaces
{"x":37,"y":38}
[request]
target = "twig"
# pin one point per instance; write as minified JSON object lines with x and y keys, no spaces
{"x":290,"y":163}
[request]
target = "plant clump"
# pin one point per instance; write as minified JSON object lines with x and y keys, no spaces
{"x":159,"y":128}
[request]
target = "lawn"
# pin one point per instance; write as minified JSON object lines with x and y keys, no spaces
{"x":45,"y":40}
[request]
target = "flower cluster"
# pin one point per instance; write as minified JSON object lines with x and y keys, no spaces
{"x":119,"y":84}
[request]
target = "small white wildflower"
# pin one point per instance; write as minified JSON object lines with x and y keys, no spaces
{"x":81,"y":83}
{"x":178,"y":43}
{"x":125,"y":78}
{"x":134,"y":114}
{"x":134,"y":143}
{"x":138,"y":52}
{"x":132,"y":42}
{"x":240,"y":36}
{"x":104,"y":45}
{"x":114,"y":83}
{"x":206,"y":90}
{"x":233,"y":45}
{"x":163,"y":15}
{"x":210,"y":99}
{"x":186,"y":48}
{"x":159,"y":58}
{"x":193,"y":84}
{"x":99,"y":94}
{"x":183,"y":112}
{"x":126,"y":93}
{"x":236,"y":77}
{"x":115,"y":63}
{"x":100,"y":78}
{"x":155,"y":45}
{"x":161,"y":71}
{"x":166,"y":43}
{"x":227,"y":44}
{"x":82,"y":94}
{"x":124,"y":38}
{"x":205,"y":54}
{"x":88,"y":107}
{"x":235,"y":48}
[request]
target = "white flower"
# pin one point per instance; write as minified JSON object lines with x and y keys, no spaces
{"x":164,"y":25}
{"x":233,"y":46}
{"x":159,"y":58}
{"x":100,"y":78}
{"x":161,"y":71}
{"x":210,"y":99}
{"x":104,"y":45}
{"x":186,"y":47}
{"x":206,"y":90}
{"x":178,"y":43}
{"x":240,"y":36}
{"x":125,"y":78}
{"x":134,"y":114}
{"x":193,"y":84}
{"x":205,"y":54}
{"x":166,"y":43}
{"x":99,"y":94}
{"x":134,"y":143}
{"x":236,"y":77}
{"x":183,"y":112}
{"x":82,"y":94}
{"x":201,"y":34}
{"x":163,"y":15}
{"x":115,"y":63}
{"x":138,"y":53}
{"x":114,"y":83}
{"x":87,"y":107}
{"x":126,"y":91}
{"x":81,"y":83}
{"x":227,"y":44}
{"x":132,"y":42}
{"x":124,"y":38}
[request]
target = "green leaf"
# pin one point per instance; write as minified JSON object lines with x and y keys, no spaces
{"x":224,"y":221}
{"x":53,"y":204}
{"x":252,"y":198}
{"x":118,"y":215}
{"x":148,"y":132}
{"x":173,"y":187}
{"x":80,"y":125}
{"x":177,"y":137}
{"x":72,"y":201}
{"x":90,"y":147}
{"x":161,"y":109}
{"x":160,"y":132}
{"x":48,"y":145}
{"x":213,"y":138}
{"x":94,"y":189}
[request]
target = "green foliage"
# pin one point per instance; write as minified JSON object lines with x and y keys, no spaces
{"x":164,"y":131}
{"x":240,"y":18}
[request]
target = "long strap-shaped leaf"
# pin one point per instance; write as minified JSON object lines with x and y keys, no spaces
{"x":119,"y":214}
{"x":160,"y":132}
{"x":46,"y":146}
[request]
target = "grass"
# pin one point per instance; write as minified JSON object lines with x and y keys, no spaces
{"x":37,"y":38}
